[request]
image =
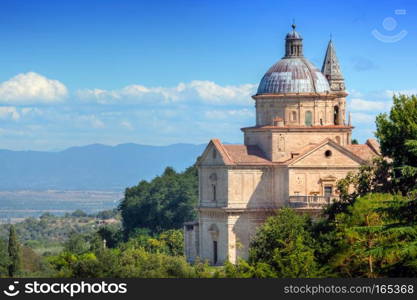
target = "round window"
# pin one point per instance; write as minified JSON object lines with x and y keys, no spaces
{"x":328,"y":153}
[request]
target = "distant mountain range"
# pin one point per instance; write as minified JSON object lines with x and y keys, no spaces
{"x":92,"y":167}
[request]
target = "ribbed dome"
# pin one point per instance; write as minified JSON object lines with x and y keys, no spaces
{"x":293,"y":75}
{"x":293,"y":35}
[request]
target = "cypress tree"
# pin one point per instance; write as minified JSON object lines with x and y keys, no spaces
{"x":14,"y":252}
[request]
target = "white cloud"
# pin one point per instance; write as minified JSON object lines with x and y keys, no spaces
{"x":355,"y":93}
{"x":126,"y":125}
{"x":9,"y":112}
{"x":362,"y":118}
{"x":12,"y":132}
{"x":92,"y":121}
{"x":31,"y":87}
{"x":229,"y":114}
{"x":31,"y":111}
{"x":357,"y":104}
{"x":196,"y":91}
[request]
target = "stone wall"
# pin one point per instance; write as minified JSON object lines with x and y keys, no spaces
{"x":250,"y":188}
{"x":306,"y":182}
{"x":213,"y":186}
{"x":213,"y":230}
{"x":191,"y":241}
{"x":293,"y":111}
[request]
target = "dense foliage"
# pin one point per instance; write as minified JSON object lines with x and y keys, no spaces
{"x":397,"y":133}
{"x":370,"y":232}
{"x":4,"y":258}
{"x":164,"y":203}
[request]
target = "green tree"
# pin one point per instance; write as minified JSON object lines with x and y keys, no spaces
{"x":79,"y":213}
{"x":397,"y":134}
{"x":373,"y":240}
{"x":285,"y":243}
{"x":164,"y":203}
{"x":112,"y":234}
{"x":4,"y":258}
{"x":374,"y":177}
{"x":77,"y":243}
{"x":170,"y":242}
{"x":243,"y":269}
{"x":173,"y":240}
{"x":14,"y":253}
{"x":107,"y":214}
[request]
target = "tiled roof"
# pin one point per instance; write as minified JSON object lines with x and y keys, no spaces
{"x":373,"y":143}
{"x":242,"y":154}
{"x":365,"y":151}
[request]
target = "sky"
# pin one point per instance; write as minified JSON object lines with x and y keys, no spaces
{"x":80,"y":72}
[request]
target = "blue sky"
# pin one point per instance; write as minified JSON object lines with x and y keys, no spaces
{"x":81,"y":72}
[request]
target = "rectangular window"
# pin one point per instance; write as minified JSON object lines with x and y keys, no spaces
{"x":214,"y":252}
{"x":328,"y":191}
{"x":308,"y":118}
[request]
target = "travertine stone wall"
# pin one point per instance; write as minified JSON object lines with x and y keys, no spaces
{"x":280,"y":186}
{"x":250,"y":188}
{"x":293,"y":111}
{"x":310,"y":182}
{"x":213,"y":187}
{"x":191,"y":241}
{"x":213,"y":227}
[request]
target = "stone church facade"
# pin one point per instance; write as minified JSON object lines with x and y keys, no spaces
{"x":293,"y":157}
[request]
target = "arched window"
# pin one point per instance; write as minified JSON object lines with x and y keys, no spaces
{"x":213,"y":186}
{"x":336,"y":115}
{"x":308,"y":118}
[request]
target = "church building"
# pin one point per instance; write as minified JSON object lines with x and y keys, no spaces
{"x":293,"y":157}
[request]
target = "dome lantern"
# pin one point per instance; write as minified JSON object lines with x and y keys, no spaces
{"x":293,"y":44}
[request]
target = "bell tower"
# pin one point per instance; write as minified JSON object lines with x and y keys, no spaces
{"x":331,"y":69}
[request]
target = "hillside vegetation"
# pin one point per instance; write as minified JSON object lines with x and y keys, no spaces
{"x":371,"y":232}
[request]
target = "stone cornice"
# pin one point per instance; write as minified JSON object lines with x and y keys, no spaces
{"x":238,"y":210}
{"x":292,"y":128}
{"x":328,"y":95}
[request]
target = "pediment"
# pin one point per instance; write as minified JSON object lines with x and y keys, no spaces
{"x":328,"y":154}
{"x":213,"y":155}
